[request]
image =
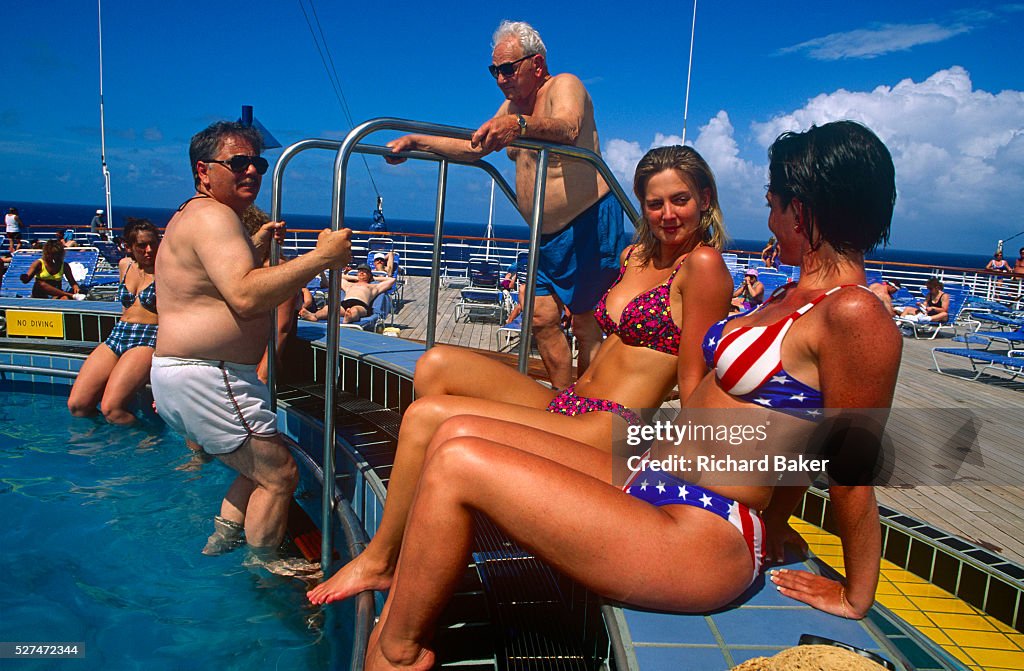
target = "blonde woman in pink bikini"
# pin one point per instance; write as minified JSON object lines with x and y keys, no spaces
{"x":672,"y":286}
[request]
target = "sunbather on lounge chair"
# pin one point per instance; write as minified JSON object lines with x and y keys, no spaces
{"x":359,"y":296}
{"x":673,"y":285}
{"x":934,"y":308}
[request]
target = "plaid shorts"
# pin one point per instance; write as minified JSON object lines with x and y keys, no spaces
{"x":127,"y":335}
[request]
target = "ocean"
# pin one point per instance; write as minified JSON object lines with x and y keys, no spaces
{"x":50,"y":216}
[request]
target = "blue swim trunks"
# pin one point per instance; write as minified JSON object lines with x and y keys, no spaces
{"x":578,"y":263}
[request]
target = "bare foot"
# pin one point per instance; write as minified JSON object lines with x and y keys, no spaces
{"x":307,"y":315}
{"x":359,"y":575}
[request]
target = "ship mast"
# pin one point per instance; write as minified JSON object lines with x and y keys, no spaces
{"x":103,"y":135}
{"x":689,"y":71}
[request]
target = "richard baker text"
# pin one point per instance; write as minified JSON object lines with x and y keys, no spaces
{"x":728,"y":464}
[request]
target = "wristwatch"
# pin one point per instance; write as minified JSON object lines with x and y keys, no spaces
{"x":521,"y":120}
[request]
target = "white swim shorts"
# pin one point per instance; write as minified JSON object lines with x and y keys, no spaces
{"x":217,"y":404}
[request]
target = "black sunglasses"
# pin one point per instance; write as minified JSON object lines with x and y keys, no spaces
{"x":507,"y":69}
{"x":240,"y":163}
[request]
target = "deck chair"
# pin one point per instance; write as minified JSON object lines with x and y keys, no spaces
{"x":929,"y":330}
{"x":732,"y":261}
{"x":793,"y":272}
{"x":382,"y":313}
{"x":397,"y":292}
{"x":1012,"y":339}
{"x":12,"y":286}
{"x":484,"y":273}
{"x":982,"y":361}
{"x":772,"y":280}
{"x":455,"y":265}
{"x":480,"y":302}
{"x":1006,"y":320}
{"x":483,"y":297}
{"x":511,"y":333}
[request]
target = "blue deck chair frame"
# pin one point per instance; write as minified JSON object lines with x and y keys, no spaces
{"x":455,"y":265}
{"x":982,"y":361}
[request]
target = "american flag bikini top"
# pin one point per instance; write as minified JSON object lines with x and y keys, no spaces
{"x":748,"y":363}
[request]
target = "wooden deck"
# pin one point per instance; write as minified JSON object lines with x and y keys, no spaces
{"x":979,"y":496}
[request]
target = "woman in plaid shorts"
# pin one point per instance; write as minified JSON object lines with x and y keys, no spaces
{"x":119,"y":367}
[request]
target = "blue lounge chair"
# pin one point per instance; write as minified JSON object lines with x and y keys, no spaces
{"x":81,"y":259}
{"x":982,"y":361}
{"x":511,"y":332}
{"x":1012,"y":339}
{"x":382,"y":313}
{"x":455,"y":265}
{"x":772,"y":280}
{"x":928,"y":330}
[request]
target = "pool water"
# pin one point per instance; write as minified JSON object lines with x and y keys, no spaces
{"x":101,"y":544}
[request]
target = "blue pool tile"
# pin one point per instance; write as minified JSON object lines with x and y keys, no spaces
{"x":42,"y":361}
{"x":679,"y":659}
{"x":22,"y":360}
{"x":648,"y":627}
{"x":783,"y":626}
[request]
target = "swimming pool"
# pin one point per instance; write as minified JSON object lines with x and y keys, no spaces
{"x":101,"y":542}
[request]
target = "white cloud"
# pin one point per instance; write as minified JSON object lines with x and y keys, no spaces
{"x":959,"y":155}
{"x":873,"y":42}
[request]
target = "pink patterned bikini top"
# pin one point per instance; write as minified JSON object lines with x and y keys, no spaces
{"x":646,"y":321}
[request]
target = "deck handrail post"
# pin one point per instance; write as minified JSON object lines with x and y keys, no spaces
{"x":533,"y":258}
{"x":276,"y":186}
{"x":435,"y":266}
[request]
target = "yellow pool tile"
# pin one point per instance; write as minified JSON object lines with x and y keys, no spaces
{"x":1002,"y":658}
{"x":946,"y":605}
{"x":981,"y":639}
{"x":897,"y":574}
{"x":1018,"y":639}
{"x":962,"y":656}
{"x":915,"y":617}
{"x":936,"y":635}
{"x":895,"y":601}
{"x":886,"y":587}
{"x":960,"y":621}
{"x":926,"y":589}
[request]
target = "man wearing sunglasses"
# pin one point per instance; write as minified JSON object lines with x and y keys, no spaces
{"x":216,"y":299}
{"x":582,"y":231}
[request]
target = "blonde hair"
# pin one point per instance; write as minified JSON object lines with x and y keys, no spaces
{"x":695,"y":171}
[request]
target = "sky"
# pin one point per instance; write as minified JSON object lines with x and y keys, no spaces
{"x":940,"y":82}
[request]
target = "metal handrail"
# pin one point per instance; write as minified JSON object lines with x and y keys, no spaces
{"x":344,"y":150}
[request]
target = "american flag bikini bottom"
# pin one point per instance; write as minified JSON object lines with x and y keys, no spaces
{"x":662,"y":489}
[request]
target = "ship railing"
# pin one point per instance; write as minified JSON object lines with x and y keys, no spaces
{"x":344,"y":149}
{"x":984,"y":284}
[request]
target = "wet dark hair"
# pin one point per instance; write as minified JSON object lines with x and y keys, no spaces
{"x":206,"y":143}
{"x":843,"y":176}
{"x":134,"y":225}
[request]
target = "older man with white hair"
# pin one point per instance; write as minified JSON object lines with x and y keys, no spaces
{"x":582,"y":229}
